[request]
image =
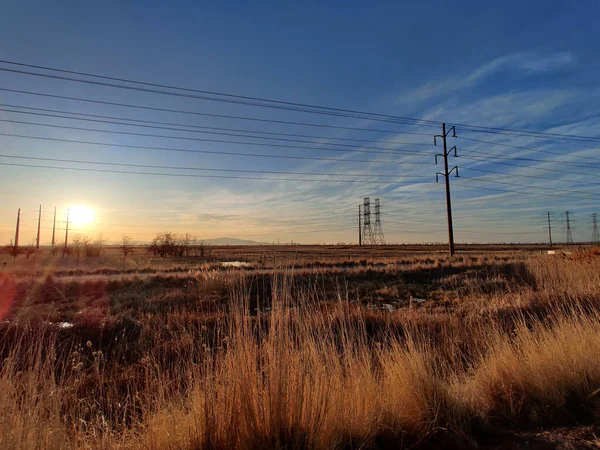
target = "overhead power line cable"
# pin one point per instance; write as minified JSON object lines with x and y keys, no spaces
{"x":200,"y":127}
{"x":535,"y":150}
{"x":210,"y":169}
{"x":545,"y":169}
{"x":181,"y":175}
{"x":526,"y":133}
{"x":546,"y":188}
{"x":199,"y":91}
{"x":336,"y":112}
{"x":495,"y":156}
{"x":187,"y":138}
{"x":209,"y":152}
{"x":516,"y":192}
{"x":264,"y":102}
{"x":529,"y":176}
{"x":156,"y":127}
{"x":222,"y":116}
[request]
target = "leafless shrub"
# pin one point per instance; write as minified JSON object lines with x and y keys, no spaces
{"x":166,"y":245}
{"x":93,"y":249}
{"x":126,"y":247}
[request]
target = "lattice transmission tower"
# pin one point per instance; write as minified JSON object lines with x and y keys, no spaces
{"x":568,"y":227}
{"x":368,"y":237}
{"x":378,"y":229}
{"x":595,"y":232}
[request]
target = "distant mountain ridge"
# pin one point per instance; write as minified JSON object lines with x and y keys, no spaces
{"x":233,"y":241}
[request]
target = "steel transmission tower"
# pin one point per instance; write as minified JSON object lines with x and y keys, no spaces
{"x":548,"y":215}
{"x":568,"y":227}
{"x":378,"y":230}
{"x":367,"y":232}
{"x":595,"y":232}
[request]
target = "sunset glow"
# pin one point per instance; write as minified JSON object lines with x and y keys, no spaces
{"x":81,"y":215}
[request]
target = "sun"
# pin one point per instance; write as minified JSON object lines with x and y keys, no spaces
{"x":81,"y":215}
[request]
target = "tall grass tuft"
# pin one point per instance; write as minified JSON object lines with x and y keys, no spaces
{"x":312,"y":372}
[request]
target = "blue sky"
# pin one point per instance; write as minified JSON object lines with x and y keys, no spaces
{"x":525,"y":65}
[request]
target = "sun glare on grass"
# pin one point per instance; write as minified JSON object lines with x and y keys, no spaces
{"x":81,"y":215}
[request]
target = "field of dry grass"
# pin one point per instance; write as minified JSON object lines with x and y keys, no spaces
{"x":495,"y":349}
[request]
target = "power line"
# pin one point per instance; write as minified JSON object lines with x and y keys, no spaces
{"x":270,"y":103}
{"x":337,"y":112}
{"x":261,"y":155}
{"x":200,"y":127}
{"x":529,"y":176}
{"x":485,"y":160}
{"x":531,"y":149}
{"x":530,"y":186}
{"x":211,"y":152}
{"x":526,"y":133}
{"x":82,"y":169}
{"x":129,"y":133}
{"x":147,"y":166}
{"x":520,"y":158}
{"x":515,"y":192}
{"x":223,"y":116}
{"x":185,"y":89}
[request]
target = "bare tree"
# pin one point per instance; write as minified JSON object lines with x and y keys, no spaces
{"x":12,"y":250}
{"x":172,"y":245}
{"x":76,"y":245}
{"x":93,"y":249}
{"x":29,"y":250}
{"x":126,"y":247}
{"x":165,"y":245}
{"x":186,"y":244}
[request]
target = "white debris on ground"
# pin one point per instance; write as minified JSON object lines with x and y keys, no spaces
{"x":234,"y":264}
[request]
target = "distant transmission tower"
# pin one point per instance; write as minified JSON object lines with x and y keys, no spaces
{"x":547,"y":217}
{"x":378,"y":230}
{"x":367,"y":234}
{"x":595,"y":232}
{"x":568,"y":227}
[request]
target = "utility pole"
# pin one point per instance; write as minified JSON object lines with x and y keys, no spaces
{"x":67,"y":232}
{"x":37,"y":241}
{"x":595,"y":232}
{"x":54,"y":227}
{"x":359,"y":228}
{"x":446,"y":175}
{"x":17,"y":228}
{"x":568,"y":227}
{"x":549,"y":230}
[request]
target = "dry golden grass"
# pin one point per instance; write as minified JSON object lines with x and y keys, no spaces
{"x":311,"y":376}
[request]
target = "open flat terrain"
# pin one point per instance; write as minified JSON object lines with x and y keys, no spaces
{"x":304,"y":347}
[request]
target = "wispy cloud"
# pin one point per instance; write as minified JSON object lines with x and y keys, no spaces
{"x":523,"y":62}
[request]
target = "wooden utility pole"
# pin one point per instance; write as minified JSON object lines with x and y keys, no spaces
{"x":54,"y":227}
{"x":67,"y":232}
{"x":17,"y":228}
{"x":446,"y":175}
{"x":37,"y":241}
{"x":359,"y":228}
